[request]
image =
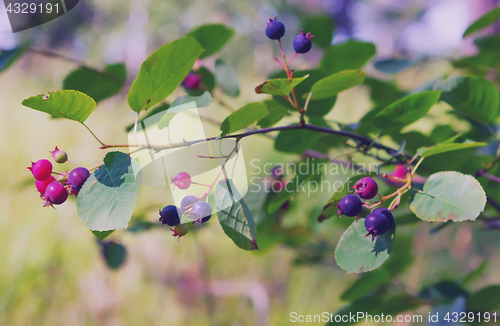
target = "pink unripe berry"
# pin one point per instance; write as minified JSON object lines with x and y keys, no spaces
{"x":42,"y":185}
{"x":59,"y":156}
{"x":180,"y":230}
{"x":41,"y":169}
{"x":55,"y":193}
{"x":182,"y":180}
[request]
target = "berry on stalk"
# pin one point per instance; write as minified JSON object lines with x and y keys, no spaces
{"x":170,"y":215}
{"x":387,"y":213}
{"x":201,"y":212}
{"x":366,"y":188}
{"x":41,"y":169}
{"x":302,"y":42}
{"x":376,"y":224}
{"x":55,"y":194}
{"x":275,"y":29}
{"x":77,"y":178}
{"x":188,"y":201}
{"x":41,"y":186}
{"x":59,"y":156}
{"x":350,"y":205}
{"x":182,"y":180}
{"x":180,"y":230}
{"x":192,"y":81}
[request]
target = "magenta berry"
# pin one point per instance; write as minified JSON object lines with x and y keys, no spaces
{"x":302,"y":42}
{"x":41,"y":169}
{"x":42,"y":185}
{"x":277,"y":172}
{"x":182,"y":180}
{"x":201,"y":212}
{"x":350,"y":205}
{"x":59,"y":156}
{"x":275,"y":29}
{"x":180,"y":230}
{"x":77,"y":178}
{"x":187,"y":202}
{"x":387,"y":213}
{"x":376,"y":224}
{"x":366,"y":188}
{"x":55,"y":194}
{"x":192,"y":81}
{"x":170,"y":215}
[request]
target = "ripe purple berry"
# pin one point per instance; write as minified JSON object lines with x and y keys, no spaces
{"x":350,"y":205}
{"x":366,"y":188}
{"x":180,"y":230}
{"x":387,"y":213}
{"x":77,"y":178}
{"x":302,"y":42}
{"x":182,"y":180}
{"x":201,"y":212}
{"x":277,"y":172}
{"x":170,"y":215}
{"x":41,"y":186}
{"x":376,"y":224}
{"x":59,"y":156}
{"x":41,"y":169}
{"x":192,"y":81}
{"x":275,"y":29}
{"x":55,"y":194}
{"x":187,"y":202}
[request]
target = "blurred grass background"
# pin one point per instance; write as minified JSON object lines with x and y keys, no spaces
{"x":51,"y":268}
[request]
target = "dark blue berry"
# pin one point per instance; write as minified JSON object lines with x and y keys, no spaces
{"x":77,"y":178}
{"x":201,"y":211}
{"x":188,"y":201}
{"x":302,"y":42}
{"x":275,"y":29}
{"x":170,"y":215}
{"x":387,"y":214}
{"x":350,"y":205}
{"x":376,"y":224}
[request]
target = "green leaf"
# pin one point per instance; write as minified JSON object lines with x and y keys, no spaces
{"x":8,"y":57}
{"x":383,"y":93}
{"x":366,"y":284}
{"x":487,"y":299}
{"x":329,"y":209}
{"x":393,"y":65}
{"x":243,"y":117}
{"x":227,"y":78}
{"x":449,"y":196}
{"x":336,"y":83}
{"x":72,"y":105}
{"x":276,"y":113}
{"x":348,"y":55}
{"x":294,"y":185}
{"x":96,"y":84}
{"x":212,"y":37}
{"x":101,"y":235}
{"x":475,"y":97}
{"x":321,"y":27}
{"x":201,"y":101}
{"x":234,"y":216}
{"x":114,"y":254}
{"x":485,"y":20}
{"x":207,"y":82}
{"x":357,"y":253}
{"x":109,"y":196}
{"x":406,"y":110}
{"x":162,"y":72}
{"x":295,"y":141}
{"x":157,"y":109}
{"x":280,"y":87}
{"x":442,"y":148}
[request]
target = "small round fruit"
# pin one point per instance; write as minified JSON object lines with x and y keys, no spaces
{"x":77,"y":178}
{"x":366,"y":188}
{"x":277,"y":172}
{"x":275,"y":29}
{"x":302,"y":42}
{"x":182,"y":180}
{"x":388,"y":215}
{"x":350,"y":205}
{"x":41,"y":169}
{"x":180,"y":230}
{"x":192,"y":81}
{"x":188,"y":201}
{"x":170,"y":215}
{"x":55,"y":193}
{"x":376,"y":224}
{"x":41,"y":186}
{"x":201,"y":212}
{"x":59,"y":156}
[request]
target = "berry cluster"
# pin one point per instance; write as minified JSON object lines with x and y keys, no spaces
{"x":55,"y":190}
{"x":275,"y":30}
{"x":191,"y":206}
{"x":379,"y":221}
